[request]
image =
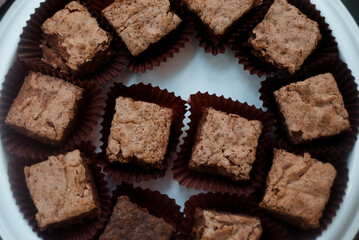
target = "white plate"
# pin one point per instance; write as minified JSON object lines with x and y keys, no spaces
{"x":188,"y":72}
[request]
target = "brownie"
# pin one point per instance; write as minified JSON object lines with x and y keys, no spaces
{"x":312,"y":109}
{"x":45,"y":108}
{"x":141,"y":23}
{"x":73,"y":42}
{"x":63,"y":190}
{"x":225,"y":145}
{"x":286,"y":37}
{"x":130,"y":222}
{"x":213,"y":225}
{"x":139,"y":133}
{"x":298,"y":188}
{"x":218,"y":16}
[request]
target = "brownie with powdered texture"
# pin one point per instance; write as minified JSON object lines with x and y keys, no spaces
{"x":45,"y":108}
{"x":141,"y":23}
{"x":286,"y":37}
{"x":312,"y":109}
{"x":298,"y":188}
{"x":63,"y":190}
{"x":73,"y":42}
{"x":213,"y":225}
{"x":226,"y":145}
{"x":130,"y":222}
{"x":139,"y":133}
{"x":219,"y":16}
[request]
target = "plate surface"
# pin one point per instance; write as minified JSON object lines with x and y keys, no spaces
{"x":188,"y":72}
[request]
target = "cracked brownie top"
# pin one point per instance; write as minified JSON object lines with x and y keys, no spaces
{"x":298,"y":188}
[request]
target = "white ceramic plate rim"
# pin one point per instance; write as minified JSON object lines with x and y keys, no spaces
{"x":344,"y":226}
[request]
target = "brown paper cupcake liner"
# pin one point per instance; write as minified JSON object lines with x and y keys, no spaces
{"x":89,"y":228}
{"x":23,"y":146}
{"x":192,"y":179}
{"x":243,"y":26}
{"x":147,"y":93}
{"x":242,"y":204}
{"x":30,"y":52}
{"x":158,"y":52}
{"x":347,"y":87}
{"x":157,"y":204}
{"x":326,"y":49}
{"x":336,"y":195}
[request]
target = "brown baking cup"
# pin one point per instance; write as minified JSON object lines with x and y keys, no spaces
{"x":244,"y":25}
{"x":347,"y":87}
{"x":326,"y":49}
{"x":336,"y":195}
{"x":89,"y":228}
{"x":197,"y":180}
{"x":23,"y":146}
{"x":30,"y":52}
{"x":157,"y":52}
{"x":238,"y":204}
{"x":147,"y":93}
{"x":157,"y":204}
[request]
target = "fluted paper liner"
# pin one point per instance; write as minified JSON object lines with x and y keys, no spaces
{"x":348,"y":89}
{"x":20,"y":145}
{"x":238,"y":204}
{"x":147,"y":93}
{"x":157,"y":204}
{"x":89,"y":228}
{"x":158,"y":52}
{"x":242,"y":27}
{"x":30,"y":51}
{"x":326,"y":49}
{"x":198,"y":180}
{"x":336,"y":195}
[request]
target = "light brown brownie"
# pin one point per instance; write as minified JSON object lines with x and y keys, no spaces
{"x":214,"y":225}
{"x":286,"y":37}
{"x":312,"y":109}
{"x":45,"y":108}
{"x":63,"y":190}
{"x":73,"y":41}
{"x":139,"y":133}
{"x":218,"y":16}
{"x":298,"y":188}
{"x":130,"y":222}
{"x":225,"y":145}
{"x":141,"y":23}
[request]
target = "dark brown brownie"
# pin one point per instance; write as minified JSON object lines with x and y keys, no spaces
{"x":45,"y":108}
{"x":214,"y":225}
{"x":73,"y":41}
{"x":225,"y":145}
{"x":63,"y":190}
{"x":130,"y":222}
{"x":298,"y":188}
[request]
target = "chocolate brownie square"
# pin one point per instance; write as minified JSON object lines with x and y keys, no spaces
{"x":73,"y":42}
{"x":139,"y":133}
{"x":298,"y":188}
{"x":141,"y":23}
{"x":312,"y":109}
{"x":63,"y":190}
{"x":286,"y":37}
{"x":211,"y":225}
{"x":130,"y":222}
{"x":225,"y":145}
{"x":45,"y":108}
{"x":218,"y":16}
